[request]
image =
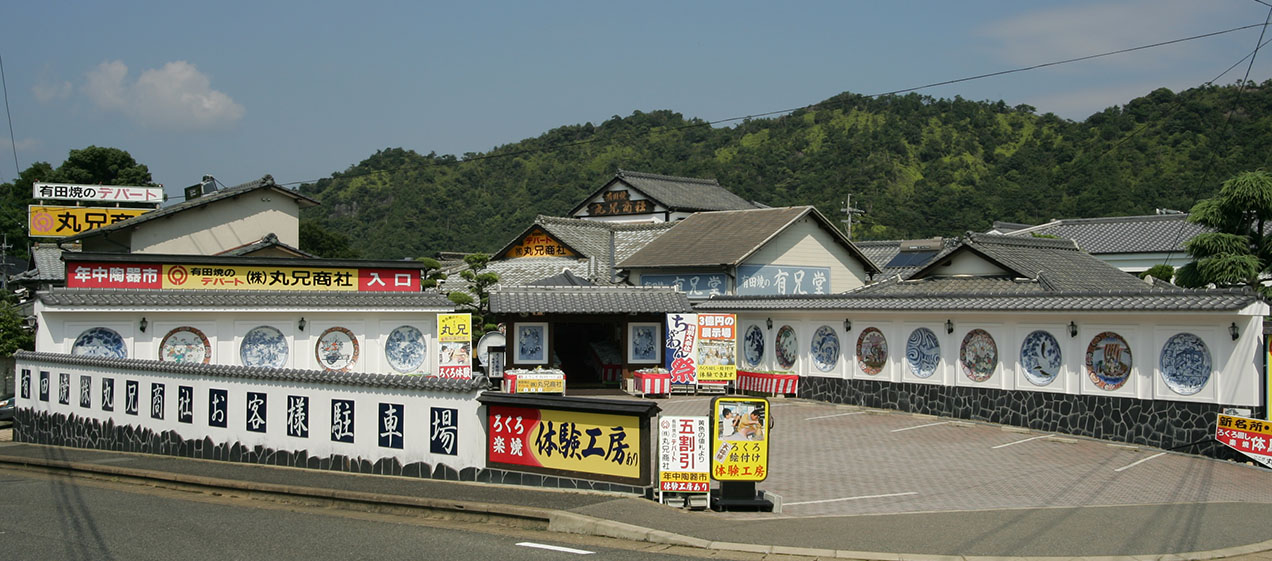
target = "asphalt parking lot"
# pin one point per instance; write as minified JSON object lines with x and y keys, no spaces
{"x":835,"y":460}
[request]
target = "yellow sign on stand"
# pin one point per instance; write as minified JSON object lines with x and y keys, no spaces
{"x":739,"y":438}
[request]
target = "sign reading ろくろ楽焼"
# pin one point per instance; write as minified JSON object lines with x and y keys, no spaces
{"x":207,"y":277}
{"x":62,"y":221}
{"x":455,"y":346}
{"x":739,"y":438}
{"x":102,"y":193}
{"x":1252,"y":437}
{"x":684,"y":461}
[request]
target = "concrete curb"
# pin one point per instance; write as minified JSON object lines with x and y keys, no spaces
{"x":562,"y":521}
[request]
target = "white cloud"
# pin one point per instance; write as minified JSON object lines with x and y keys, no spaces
{"x":1082,"y":103}
{"x":24,"y":144}
{"x":176,"y":96}
{"x":1078,"y":30}
{"x":46,"y":91}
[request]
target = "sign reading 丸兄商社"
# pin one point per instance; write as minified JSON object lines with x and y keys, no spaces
{"x":684,"y":462}
{"x":739,"y":438}
{"x":62,"y":221}
{"x":200,"y":277}
{"x":101,"y":193}
{"x":455,"y":344}
{"x":1252,"y":437}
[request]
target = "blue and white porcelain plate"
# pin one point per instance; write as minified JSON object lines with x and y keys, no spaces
{"x":825,"y":348}
{"x":1185,"y":364}
{"x":753,"y":346}
{"x":922,"y":352}
{"x":265,"y":347}
{"x":786,"y":347}
{"x":100,"y":341}
{"x":1040,"y":355}
{"x":405,"y":349}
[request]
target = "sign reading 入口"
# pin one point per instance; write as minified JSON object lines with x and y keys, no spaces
{"x":201,"y":277}
{"x":1252,"y":437}
{"x":684,"y":464}
{"x":62,"y":221}
{"x":739,"y":438}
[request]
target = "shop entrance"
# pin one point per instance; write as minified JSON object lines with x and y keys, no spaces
{"x":589,"y":353}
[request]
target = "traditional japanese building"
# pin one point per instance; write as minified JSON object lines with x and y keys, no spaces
{"x":1131,"y":243}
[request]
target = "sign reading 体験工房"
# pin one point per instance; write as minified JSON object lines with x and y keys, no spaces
{"x":1252,"y":437}
{"x":207,"y":277}
{"x":739,"y":438}
{"x":684,"y":462}
{"x":62,"y":221}
{"x":589,"y":445}
{"x":455,"y":344}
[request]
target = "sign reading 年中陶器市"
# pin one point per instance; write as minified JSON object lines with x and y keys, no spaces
{"x":253,"y":277}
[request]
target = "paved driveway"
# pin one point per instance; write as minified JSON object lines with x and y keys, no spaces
{"x":834,"y":460}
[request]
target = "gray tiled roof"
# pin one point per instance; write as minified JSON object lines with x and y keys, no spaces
{"x":683,"y":194}
{"x":1057,"y":264}
{"x":266,"y":182}
{"x":396,"y":381}
{"x":1122,"y":234}
{"x":588,"y":300}
{"x":881,"y":252}
{"x":247,"y":299}
{"x":896,"y":286}
{"x":727,"y":238}
{"x":1155,"y":301}
{"x":269,"y":241}
{"x":518,"y":272}
{"x":599,"y":244}
{"x":47,"y":265}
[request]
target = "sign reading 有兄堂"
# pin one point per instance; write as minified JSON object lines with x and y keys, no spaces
{"x":760,"y":280}
{"x":739,"y":438}
{"x":99,"y":193}
{"x":1252,"y":437}
{"x":684,"y":463}
{"x":694,"y":285}
{"x":62,"y":221}
{"x":199,"y":277}
{"x":455,"y":346}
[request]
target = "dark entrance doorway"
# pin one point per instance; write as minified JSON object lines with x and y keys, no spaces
{"x":584,"y":348}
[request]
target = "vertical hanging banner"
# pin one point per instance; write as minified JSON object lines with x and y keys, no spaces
{"x":739,"y":438}
{"x":717,"y":348}
{"x":684,"y":462}
{"x":680,"y":359}
{"x":455,"y":344}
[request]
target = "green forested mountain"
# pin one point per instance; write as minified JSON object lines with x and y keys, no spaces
{"x":919,"y":166}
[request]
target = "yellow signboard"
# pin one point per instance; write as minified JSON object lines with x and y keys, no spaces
{"x":739,"y":438}
{"x":539,"y":244}
{"x":455,"y":348}
{"x":258,"y":278}
{"x":540,"y":383}
{"x":62,"y":221}
{"x":566,"y":441}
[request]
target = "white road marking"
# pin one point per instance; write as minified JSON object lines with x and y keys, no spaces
{"x":835,"y":415}
{"x":1140,"y":462}
{"x":556,"y":548}
{"x":851,"y":498}
{"x":921,"y":426}
{"x":1018,"y":442}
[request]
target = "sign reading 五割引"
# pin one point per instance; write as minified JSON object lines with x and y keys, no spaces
{"x":198,"y":277}
{"x":62,"y":221}
{"x":684,"y":462}
{"x":102,"y":193}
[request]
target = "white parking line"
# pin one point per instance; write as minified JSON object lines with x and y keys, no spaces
{"x":921,"y":426}
{"x":851,"y":498}
{"x":556,"y":548}
{"x":1018,"y":442}
{"x":835,"y":415}
{"x":1140,"y":462}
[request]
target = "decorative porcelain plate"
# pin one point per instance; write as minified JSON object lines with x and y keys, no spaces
{"x":185,"y":344}
{"x":405,"y":349}
{"x":1040,"y":356}
{"x":100,"y":341}
{"x":264,"y":346}
{"x":753,"y":346}
{"x":1108,"y":361}
{"x":872,"y":351}
{"x":337,"y":349}
{"x":978,"y":355}
{"x":1185,"y":364}
{"x":786,"y":347}
{"x":825,"y":348}
{"x":922,"y":352}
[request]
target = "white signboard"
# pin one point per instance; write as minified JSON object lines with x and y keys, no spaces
{"x":99,"y":193}
{"x":684,"y":461}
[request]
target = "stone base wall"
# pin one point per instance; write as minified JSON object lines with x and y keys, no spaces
{"x":1170,"y":425}
{"x":80,"y":432}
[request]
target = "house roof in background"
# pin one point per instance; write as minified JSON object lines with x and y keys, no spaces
{"x":46,"y":265}
{"x":683,"y":194}
{"x":727,"y":238}
{"x":884,"y":252}
{"x":590,"y":300}
{"x":270,"y":241}
{"x":925,"y":300}
{"x":1118,"y":234}
{"x":223,"y":300}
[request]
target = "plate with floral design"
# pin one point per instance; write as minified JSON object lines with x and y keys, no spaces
{"x":872,"y":350}
{"x":979,"y":355}
{"x":786,"y":347}
{"x":185,"y":344}
{"x":405,"y":348}
{"x":337,"y":349}
{"x":825,"y":348}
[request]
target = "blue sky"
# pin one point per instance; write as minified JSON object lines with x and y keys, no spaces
{"x":302,"y":89}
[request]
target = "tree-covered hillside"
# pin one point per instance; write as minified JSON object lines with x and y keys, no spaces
{"x":919,"y":166}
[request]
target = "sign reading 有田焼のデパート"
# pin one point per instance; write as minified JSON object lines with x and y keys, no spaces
{"x":226,"y":277}
{"x":98,"y":193}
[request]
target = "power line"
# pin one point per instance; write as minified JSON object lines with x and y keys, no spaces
{"x":824,"y":105}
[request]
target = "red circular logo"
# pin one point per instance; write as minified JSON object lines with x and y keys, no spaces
{"x":178,"y":275}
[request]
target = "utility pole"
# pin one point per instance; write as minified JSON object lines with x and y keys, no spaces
{"x":850,"y":212}
{"x":4,"y":262}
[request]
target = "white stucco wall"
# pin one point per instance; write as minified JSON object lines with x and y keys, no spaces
{"x":807,"y":244}
{"x":222,"y":225}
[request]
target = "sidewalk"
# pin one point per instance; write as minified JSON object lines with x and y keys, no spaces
{"x":1195,"y":530}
